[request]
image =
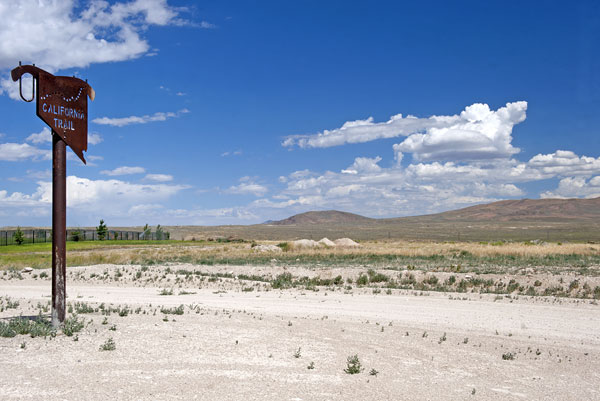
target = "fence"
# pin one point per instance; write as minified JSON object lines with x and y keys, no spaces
{"x":38,"y":236}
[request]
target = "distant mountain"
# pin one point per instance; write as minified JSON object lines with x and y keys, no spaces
{"x":330,"y":217}
{"x":539,"y":210}
{"x":522,"y":210}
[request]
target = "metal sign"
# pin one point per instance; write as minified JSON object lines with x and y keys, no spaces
{"x":61,"y":102}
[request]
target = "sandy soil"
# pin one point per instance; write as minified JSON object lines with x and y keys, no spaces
{"x":231,"y":345}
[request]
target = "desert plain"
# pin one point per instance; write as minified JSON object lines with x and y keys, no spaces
{"x":382,"y":321}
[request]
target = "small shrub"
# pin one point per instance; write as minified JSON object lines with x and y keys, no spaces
{"x":297,"y":354}
{"x":283,"y":280}
{"x":353,"y":365}
{"x":363,"y":279}
{"x":173,"y":311}
{"x":285,"y":246}
{"x":166,"y":291}
{"x":109,"y":345}
{"x":509,"y":356}
{"x":431,"y":280}
{"x":72,"y":325}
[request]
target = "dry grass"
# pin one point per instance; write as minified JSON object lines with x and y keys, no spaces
{"x":466,"y":253}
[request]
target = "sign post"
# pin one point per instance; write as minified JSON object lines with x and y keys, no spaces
{"x":61,"y":102}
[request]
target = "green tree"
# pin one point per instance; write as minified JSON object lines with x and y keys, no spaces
{"x":159,"y":232}
{"x":18,"y":236}
{"x":101,"y":230}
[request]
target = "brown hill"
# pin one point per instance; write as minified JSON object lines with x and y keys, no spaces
{"x":522,"y":210}
{"x":331,"y":217}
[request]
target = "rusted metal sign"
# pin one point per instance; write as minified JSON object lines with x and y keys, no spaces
{"x":61,"y":102}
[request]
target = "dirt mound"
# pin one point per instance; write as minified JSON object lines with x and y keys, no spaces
{"x":266,"y":248}
{"x":347,"y":242}
{"x":326,"y":242}
{"x":304,"y":243}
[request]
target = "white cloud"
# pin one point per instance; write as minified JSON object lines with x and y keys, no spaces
{"x":89,"y":200}
{"x":99,"y":32}
{"x":108,"y":195}
{"x":123,"y":121}
{"x":564,"y":163}
{"x":229,"y":215}
{"x":94,"y":138}
{"x":247,"y":186}
{"x":207,"y":25}
{"x":124,"y":170}
{"x":44,"y":136}
{"x":477,"y":133}
{"x":13,"y":152}
{"x":234,"y":153}
{"x":575,"y":187}
{"x":363,"y":165}
{"x":159,"y":177}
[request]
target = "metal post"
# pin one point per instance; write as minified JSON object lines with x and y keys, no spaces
{"x":59,"y":228}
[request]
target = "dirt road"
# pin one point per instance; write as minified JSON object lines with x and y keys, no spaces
{"x":230,"y":345}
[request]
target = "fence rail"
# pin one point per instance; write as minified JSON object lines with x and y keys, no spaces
{"x":38,"y":236}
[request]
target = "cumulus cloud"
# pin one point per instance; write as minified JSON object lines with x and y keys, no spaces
{"x":477,"y":133}
{"x":61,"y":34}
{"x":14,"y":152}
{"x":90,"y":200}
{"x":247,"y":186}
{"x":480,"y":133}
{"x":43,"y":136}
{"x":123,"y":121}
{"x":565,"y":162}
{"x":575,"y":187}
{"x":124,"y":170}
{"x":159,"y":177}
{"x":362,"y":165}
{"x":94,"y":138}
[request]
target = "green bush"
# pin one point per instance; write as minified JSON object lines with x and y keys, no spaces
{"x":283,"y":280}
{"x":353,"y":365}
{"x":285,"y":246}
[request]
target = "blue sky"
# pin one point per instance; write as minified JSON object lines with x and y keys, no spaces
{"x":224,"y":112}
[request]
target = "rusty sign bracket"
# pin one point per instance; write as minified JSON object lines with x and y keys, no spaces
{"x":61,"y":102}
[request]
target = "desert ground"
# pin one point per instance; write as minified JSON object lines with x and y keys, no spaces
{"x":276,"y":330}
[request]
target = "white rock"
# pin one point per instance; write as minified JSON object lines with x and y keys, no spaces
{"x":27,"y":270}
